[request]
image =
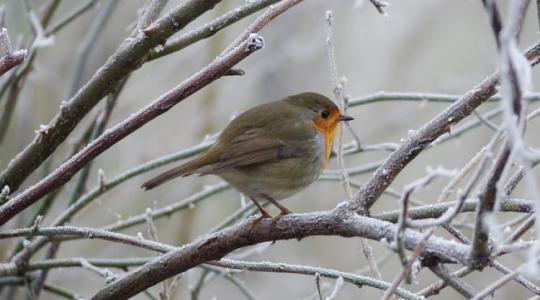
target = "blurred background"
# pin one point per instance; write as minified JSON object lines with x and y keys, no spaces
{"x":423,"y":46}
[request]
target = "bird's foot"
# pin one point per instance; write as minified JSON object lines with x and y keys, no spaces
{"x":264,"y":215}
{"x":283,"y":213}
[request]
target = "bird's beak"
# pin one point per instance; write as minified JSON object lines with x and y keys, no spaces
{"x":345,"y":118}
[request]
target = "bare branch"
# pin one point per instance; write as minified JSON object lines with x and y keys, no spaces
{"x":209,"y":29}
{"x":512,"y":85}
{"x":9,"y":59}
{"x":151,"y":13}
{"x":61,"y":175}
{"x":70,"y":17}
{"x":408,"y":266}
{"x":497,"y":284}
{"x":216,"y":245}
{"x":422,"y":138}
{"x":436,"y":210}
{"x":452,"y":280}
{"x":124,"y":61}
{"x":87,"y":44}
{"x":380,"y":6}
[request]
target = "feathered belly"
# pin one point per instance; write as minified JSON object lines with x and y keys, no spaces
{"x":281,"y":178}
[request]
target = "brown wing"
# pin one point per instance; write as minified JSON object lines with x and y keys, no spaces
{"x":250,"y":148}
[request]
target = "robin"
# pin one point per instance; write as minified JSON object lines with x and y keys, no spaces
{"x":271,"y":151}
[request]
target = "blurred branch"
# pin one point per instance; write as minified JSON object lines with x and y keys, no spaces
{"x":52,"y":289}
{"x":17,"y":79}
{"x":170,"y":209}
{"x":151,"y":12}
{"x":87,"y":44}
{"x":480,"y":250}
{"x":123,"y":177}
{"x":402,"y":225}
{"x":70,"y":17}
{"x":380,"y":6}
{"x":209,"y":29}
{"x":100,"y":189}
{"x":435,"y":288}
{"x":523,"y":227}
{"x":490,"y":290}
{"x":494,"y":263}
{"x":481,"y":158}
{"x":538,"y":12}
{"x":383,"y":96}
{"x":512,"y":86}
{"x":61,"y":175}
{"x":452,"y":280}
{"x":98,"y":127}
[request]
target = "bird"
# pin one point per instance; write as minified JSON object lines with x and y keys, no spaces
{"x":271,"y":151}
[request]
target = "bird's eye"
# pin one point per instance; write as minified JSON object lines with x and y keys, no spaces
{"x":325,"y":114}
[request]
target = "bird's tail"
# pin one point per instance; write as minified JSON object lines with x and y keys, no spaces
{"x":182,"y":170}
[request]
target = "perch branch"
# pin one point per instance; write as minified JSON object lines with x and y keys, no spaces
{"x":214,"y":246}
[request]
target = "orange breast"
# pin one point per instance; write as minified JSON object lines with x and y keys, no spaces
{"x":328,"y":129}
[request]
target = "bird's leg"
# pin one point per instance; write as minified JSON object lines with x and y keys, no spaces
{"x":264,"y":213}
{"x":283,"y":209}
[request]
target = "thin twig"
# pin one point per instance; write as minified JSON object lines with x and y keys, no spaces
{"x":70,"y":17}
{"x":209,"y":29}
{"x":339,"y":95}
{"x":436,"y":210}
{"x":87,"y":44}
{"x":407,"y":267}
{"x":452,"y":280}
{"x":490,"y":290}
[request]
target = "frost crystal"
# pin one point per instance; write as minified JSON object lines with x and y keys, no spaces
{"x":255,"y":42}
